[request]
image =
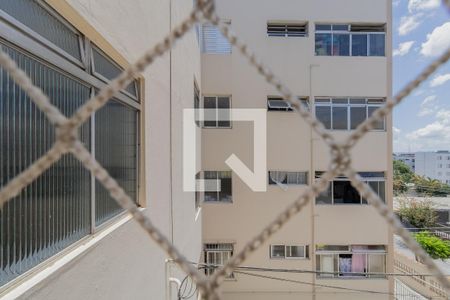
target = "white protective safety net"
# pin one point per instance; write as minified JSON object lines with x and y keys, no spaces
{"x":67,"y":141}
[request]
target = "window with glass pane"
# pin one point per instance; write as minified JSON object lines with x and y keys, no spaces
{"x":347,"y":113}
{"x":340,"y":118}
{"x":41,"y":20}
{"x":342,"y":192}
{"x":217,"y":255}
{"x":105,"y":68}
{"x":326,"y":263}
{"x":341,"y":44}
{"x":223,"y":105}
{"x":365,"y":40}
{"x":295,"y":252}
{"x":377,"y":44}
{"x":277,"y":251}
{"x":209,"y":104}
{"x":323,"y":114}
{"x":223,"y":191}
{"x":326,"y":196}
{"x":377,"y":264}
{"x":345,"y":193}
{"x":323,"y":44}
{"x":217,"y":111}
{"x":116,"y":151}
{"x":213,"y":41}
{"x":357,"y":116}
{"x":379,"y":124}
{"x":290,"y":178}
{"x":359,"y":44}
{"x":56,"y":209}
{"x":53,"y":211}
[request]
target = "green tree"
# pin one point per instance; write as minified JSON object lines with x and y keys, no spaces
{"x":403,"y":171}
{"x":426,"y":186}
{"x":434,"y":246}
{"x":402,"y":176}
{"x":420,"y":214}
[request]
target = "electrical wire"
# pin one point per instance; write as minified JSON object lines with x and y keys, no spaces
{"x":323,"y":285}
{"x":239,"y":270}
{"x":300,"y":271}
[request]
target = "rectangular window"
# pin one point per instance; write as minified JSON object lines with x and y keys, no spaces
{"x":217,"y":255}
{"x":347,"y":113}
{"x":198,"y":194}
{"x":288,"y":178}
{"x":213,"y":41}
{"x":223,"y":190}
{"x":350,"y":40}
{"x":217,"y":111}
{"x":278,"y":104}
{"x":340,"y":190}
{"x":289,"y":251}
{"x":287,"y":30}
{"x":356,"y":261}
{"x":61,"y":206}
{"x":106,"y":69}
{"x":44,"y":21}
{"x":275,"y":103}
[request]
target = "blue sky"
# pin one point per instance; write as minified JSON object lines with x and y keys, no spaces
{"x":421,"y":32}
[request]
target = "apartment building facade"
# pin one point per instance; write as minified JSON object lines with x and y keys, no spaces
{"x":435,"y":165}
{"x":408,"y":158}
{"x":63,"y":237}
{"x":336,"y":58}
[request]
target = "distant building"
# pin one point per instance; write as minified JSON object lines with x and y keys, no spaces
{"x":408,"y":158}
{"x":435,"y":165}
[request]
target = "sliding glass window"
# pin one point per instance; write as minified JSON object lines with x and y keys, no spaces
{"x":64,"y":204}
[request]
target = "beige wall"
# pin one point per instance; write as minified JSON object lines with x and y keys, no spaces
{"x":291,"y":144}
{"x":127,"y":264}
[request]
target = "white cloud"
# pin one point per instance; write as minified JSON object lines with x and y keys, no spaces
{"x":396,"y":2}
{"x":437,"y":41}
{"x":396,"y":130}
{"x":440,"y":80}
{"x":417,"y":5}
{"x":403,"y":48}
{"x":429,"y":100}
{"x":435,"y":135}
{"x":428,"y":106}
{"x":409,"y":23}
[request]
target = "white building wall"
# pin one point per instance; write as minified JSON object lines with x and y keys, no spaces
{"x":435,"y":165}
{"x":291,"y":144}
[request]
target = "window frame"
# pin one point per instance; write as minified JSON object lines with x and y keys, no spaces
{"x":286,"y":33}
{"x":218,"y":192}
{"x":93,"y":47}
{"x":365,"y":179}
{"x":43,"y":41}
{"x":18,"y":36}
{"x":350,"y":33}
{"x":221,"y":248}
{"x":216,"y":96}
{"x":369,"y":103}
{"x":303,"y":100}
{"x":285,"y":256}
{"x":271,"y":181}
{"x":203,"y":46}
{"x":335,"y":254}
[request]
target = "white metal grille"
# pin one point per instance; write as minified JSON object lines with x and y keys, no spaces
{"x":67,"y":141}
